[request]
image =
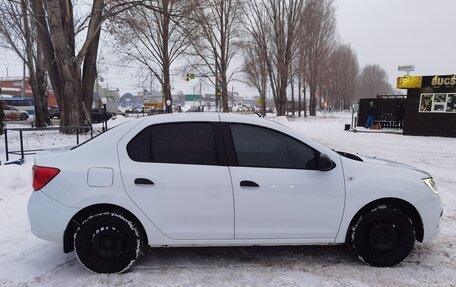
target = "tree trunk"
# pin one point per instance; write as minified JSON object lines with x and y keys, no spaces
{"x":73,"y":88}
{"x":263,"y":98}
{"x":283,"y":96}
{"x":40,"y":98}
{"x":299,"y":95}
{"x":89,"y":75}
{"x":223,"y":68}
{"x":166,"y":88}
{"x":292,"y":96}
{"x":305,"y":100}
{"x":37,"y":79}
{"x":313,"y":99}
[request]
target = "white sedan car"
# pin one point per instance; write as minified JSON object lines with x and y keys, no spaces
{"x":209,"y":179}
{"x":14,"y":114}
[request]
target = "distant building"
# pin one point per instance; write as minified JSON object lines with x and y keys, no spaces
{"x":431,"y":105}
{"x":128,"y":100}
{"x":13,"y":87}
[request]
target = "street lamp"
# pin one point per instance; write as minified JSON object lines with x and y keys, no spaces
{"x":104,"y":122}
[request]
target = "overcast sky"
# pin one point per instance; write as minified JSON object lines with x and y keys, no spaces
{"x":385,"y":32}
{"x":401,"y":32}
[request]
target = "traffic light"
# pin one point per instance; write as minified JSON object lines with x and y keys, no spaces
{"x":219,"y":92}
{"x":189,"y":77}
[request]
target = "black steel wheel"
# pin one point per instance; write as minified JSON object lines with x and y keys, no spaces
{"x":382,"y":237}
{"x":107,"y":242}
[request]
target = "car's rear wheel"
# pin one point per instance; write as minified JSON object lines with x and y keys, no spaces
{"x":382,"y":237}
{"x":107,"y":242}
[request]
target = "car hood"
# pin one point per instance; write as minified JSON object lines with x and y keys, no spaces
{"x":374,"y":160}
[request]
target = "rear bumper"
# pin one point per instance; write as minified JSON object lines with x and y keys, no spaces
{"x":48,"y":218}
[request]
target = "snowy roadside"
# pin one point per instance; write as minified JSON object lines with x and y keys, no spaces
{"x":28,"y":261}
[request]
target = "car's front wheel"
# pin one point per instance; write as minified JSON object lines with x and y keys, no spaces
{"x":107,"y":242}
{"x":383,"y":236}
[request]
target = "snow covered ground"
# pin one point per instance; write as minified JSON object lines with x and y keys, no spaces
{"x":28,"y":261}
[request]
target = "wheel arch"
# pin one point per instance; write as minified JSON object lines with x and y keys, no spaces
{"x":84,"y":213}
{"x":397,"y":203}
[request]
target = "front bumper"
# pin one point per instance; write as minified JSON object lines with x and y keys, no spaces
{"x":431,"y":211}
{"x":48,"y":218}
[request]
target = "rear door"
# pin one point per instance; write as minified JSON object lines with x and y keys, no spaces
{"x":175,"y":173}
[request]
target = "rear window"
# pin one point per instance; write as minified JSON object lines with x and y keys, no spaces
{"x":179,"y":143}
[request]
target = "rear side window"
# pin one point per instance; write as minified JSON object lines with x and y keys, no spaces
{"x":181,"y":143}
{"x":261,"y":147}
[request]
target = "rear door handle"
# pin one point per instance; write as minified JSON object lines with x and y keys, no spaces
{"x":143,"y":181}
{"x":249,"y":183}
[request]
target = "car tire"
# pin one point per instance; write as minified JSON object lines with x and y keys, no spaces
{"x":107,"y":242}
{"x":382,"y":237}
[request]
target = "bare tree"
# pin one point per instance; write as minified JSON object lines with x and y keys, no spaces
{"x":72,"y":70}
{"x":273,"y":25}
{"x":300,"y":64}
{"x":373,"y":80}
{"x":342,"y":74}
{"x":318,"y":38}
{"x":214,"y":35}
{"x":255,"y":72}
{"x":154,"y":37}
{"x":17,"y":33}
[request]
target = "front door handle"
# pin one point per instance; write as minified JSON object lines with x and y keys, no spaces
{"x":143,"y":181}
{"x":249,"y":183}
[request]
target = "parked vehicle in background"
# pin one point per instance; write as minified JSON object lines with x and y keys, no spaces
{"x":14,"y":114}
{"x":23,"y":104}
{"x":208,"y":179}
{"x":97,"y":115}
{"x":54,"y":112}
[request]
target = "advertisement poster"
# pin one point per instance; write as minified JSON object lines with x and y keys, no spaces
{"x":426,"y":102}
{"x":451,"y":103}
{"x":439,"y":103}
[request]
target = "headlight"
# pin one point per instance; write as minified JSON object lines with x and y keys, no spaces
{"x":431,"y":184}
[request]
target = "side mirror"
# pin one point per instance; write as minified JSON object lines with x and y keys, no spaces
{"x":325,"y":163}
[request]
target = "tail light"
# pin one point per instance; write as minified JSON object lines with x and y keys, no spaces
{"x":43,"y":175}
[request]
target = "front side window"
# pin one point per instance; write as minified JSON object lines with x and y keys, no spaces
{"x":180,"y":143}
{"x":261,"y":147}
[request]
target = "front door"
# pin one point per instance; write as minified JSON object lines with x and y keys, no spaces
{"x":279,"y":191}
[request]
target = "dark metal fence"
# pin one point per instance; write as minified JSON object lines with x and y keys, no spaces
{"x":389,"y":111}
{"x":22,"y":152}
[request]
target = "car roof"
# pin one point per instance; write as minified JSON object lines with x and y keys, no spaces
{"x":212,"y":117}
